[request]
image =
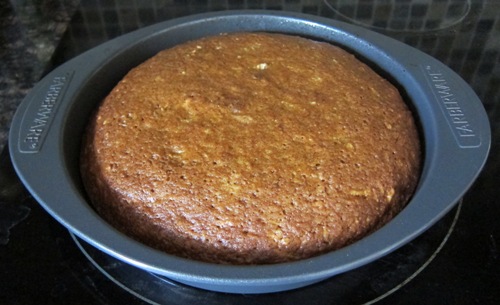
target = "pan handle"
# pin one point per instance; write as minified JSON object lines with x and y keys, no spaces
{"x":41,"y":110}
{"x":460,"y":108}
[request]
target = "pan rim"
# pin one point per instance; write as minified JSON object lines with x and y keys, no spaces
{"x":263,"y":278}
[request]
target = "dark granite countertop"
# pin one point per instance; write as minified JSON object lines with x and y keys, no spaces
{"x":29,"y":34}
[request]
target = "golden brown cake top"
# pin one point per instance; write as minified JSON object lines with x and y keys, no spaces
{"x":252,"y":148}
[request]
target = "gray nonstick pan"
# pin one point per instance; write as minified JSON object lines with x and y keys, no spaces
{"x":47,"y":129}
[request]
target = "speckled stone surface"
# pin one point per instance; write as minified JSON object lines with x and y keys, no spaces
{"x":29,"y":33}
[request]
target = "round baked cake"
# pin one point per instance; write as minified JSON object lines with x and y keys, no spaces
{"x":251,"y":148}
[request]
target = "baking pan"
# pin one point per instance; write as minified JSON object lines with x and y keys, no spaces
{"x":47,"y":129}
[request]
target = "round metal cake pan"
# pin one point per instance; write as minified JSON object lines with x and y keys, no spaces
{"x":47,"y":129}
